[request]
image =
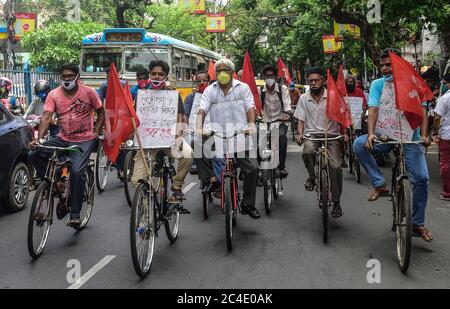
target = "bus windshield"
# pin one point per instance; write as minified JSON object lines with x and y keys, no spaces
{"x":136,"y":58}
{"x":98,"y":59}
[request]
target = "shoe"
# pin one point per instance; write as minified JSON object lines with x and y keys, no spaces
{"x":177,"y":196}
{"x":251,"y":211}
{"x":310,"y":185}
{"x":283,"y":174}
{"x":183,"y":211}
{"x":444,"y":198}
{"x":337,"y":211}
{"x":74,"y":222}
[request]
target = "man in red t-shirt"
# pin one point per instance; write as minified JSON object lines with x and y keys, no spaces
{"x":74,"y":105}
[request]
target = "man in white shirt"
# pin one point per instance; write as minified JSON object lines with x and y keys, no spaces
{"x":275,"y":102}
{"x":230,"y":103}
{"x":441,"y":136}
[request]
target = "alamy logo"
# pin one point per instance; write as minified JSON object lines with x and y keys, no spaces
{"x":374,"y":274}
{"x":74,"y":11}
{"x":74,"y":273}
{"x":374,"y":14}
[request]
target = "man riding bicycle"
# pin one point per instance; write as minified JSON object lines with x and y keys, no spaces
{"x":311,"y":113}
{"x":275,"y":100}
{"x":159,"y":72}
{"x":74,"y":105}
{"x":382,"y":92}
{"x":229,"y":103}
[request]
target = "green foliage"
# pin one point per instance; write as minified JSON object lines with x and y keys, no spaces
{"x":58,"y":43}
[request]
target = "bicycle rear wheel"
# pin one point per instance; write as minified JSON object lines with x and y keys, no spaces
{"x":142,"y":231}
{"x":40,"y":220}
{"x":128,"y":173}
{"x":206,"y":199}
{"x":228,"y":208}
{"x":268,"y":190}
{"x":88,"y":200}
{"x":101,"y":168}
{"x":403,"y":224}
{"x":324,"y":198}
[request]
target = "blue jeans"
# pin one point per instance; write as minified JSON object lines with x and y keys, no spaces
{"x":416,"y":165}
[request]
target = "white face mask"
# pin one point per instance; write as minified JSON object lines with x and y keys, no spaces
{"x":69,"y":85}
{"x":270,"y":82}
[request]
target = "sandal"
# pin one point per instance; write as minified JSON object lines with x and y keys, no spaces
{"x":423,"y":232}
{"x":382,"y":191}
{"x":337,"y":211}
{"x":310,"y":184}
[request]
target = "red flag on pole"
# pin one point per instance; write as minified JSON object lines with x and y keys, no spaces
{"x":341,"y":82}
{"x":410,"y":90}
{"x":337,"y":109}
{"x":212,"y":70}
{"x":283,"y":72}
{"x":119,"y":112}
{"x":248,"y":77}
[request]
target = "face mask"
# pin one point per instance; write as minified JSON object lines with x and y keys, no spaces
{"x":142,"y":84}
{"x":201,"y":87}
{"x":158,"y":85}
{"x":389,"y":78}
{"x":224,"y":78}
{"x":69,"y":85}
{"x":42,"y":96}
{"x":270,"y":82}
{"x":444,"y":88}
{"x":351,"y":88}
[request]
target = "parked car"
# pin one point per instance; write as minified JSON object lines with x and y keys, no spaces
{"x":15,"y":179}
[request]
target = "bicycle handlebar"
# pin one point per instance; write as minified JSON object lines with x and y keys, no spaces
{"x":62,"y":149}
{"x":399,"y":143}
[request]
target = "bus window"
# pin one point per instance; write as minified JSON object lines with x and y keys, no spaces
{"x":97,"y":60}
{"x":136,"y":58}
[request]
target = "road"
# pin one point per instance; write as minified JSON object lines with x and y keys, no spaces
{"x":284,"y":250}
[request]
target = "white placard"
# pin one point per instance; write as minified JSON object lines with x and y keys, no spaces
{"x":157,"y":111}
{"x":356,"y":108}
{"x":393,"y":123}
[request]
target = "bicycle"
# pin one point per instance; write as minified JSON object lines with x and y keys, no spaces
{"x":41,"y":212}
{"x":354,"y":166}
{"x":322,"y":170}
{"x":127,"y":175}
{"x":401,"y":196}
{"x":151,"y":210}
{"x":104,"y":165}
{"x":272,"y":182}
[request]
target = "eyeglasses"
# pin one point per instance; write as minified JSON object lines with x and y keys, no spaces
{"x":68,"y":76}
{"x":202,"y":81}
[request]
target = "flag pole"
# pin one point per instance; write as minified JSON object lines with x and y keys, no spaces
{"x":141,"y":149}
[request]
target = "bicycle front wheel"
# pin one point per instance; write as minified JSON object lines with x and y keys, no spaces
{"x":268,"y":190}
{"x":101,"y":168}
{"x":40,"y":220}
{"x":171,"y":212}
{"x":228,"y":208}
{"x":403,"y":224}
{"x":142,"y":231}
{"x":324,"y":198}
{"x":128,"y":173}
{"x":88,"y":200}
{"x":357,"y":169}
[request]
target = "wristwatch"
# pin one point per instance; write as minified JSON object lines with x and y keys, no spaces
{"x":41,"y":141}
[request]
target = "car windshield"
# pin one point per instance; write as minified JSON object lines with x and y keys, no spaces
{"x":137,"y":58}
{"x":97,"y":60}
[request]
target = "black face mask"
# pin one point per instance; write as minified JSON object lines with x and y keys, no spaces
{"x":351,"y":88}
{"x":316,"y":90}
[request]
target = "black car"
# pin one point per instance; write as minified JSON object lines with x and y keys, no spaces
{"x":15,"y":180}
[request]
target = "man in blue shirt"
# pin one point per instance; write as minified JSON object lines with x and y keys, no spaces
{"x":382,"y":94}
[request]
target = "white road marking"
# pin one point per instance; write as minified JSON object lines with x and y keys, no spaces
{"x":80,"y":282}
{"x":189,"y":187}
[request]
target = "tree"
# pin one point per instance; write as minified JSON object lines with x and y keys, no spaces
{"x":58,"y":43}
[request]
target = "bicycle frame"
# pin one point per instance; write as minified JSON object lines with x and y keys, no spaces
{"x":229,"y":172}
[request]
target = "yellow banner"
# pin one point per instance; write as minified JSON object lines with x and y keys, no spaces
{"x":198,"y":6}
{"x":25,"y":23}
{"x":340,"y":29}
{"x":215,"y":23}
{"x":330,"y":45}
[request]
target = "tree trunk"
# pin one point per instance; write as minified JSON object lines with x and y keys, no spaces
{"x":120,"y":14}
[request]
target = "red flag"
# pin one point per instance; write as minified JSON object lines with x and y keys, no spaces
{"x":235,"y":76}
{"x":341,"y":82}
{"x":248,"y":77}
{"x":337,"y":109}
{"x":119,"y":112}
{"x":212,"y":70}
{"x":410,"y":90}
{"x":283,"y":72}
